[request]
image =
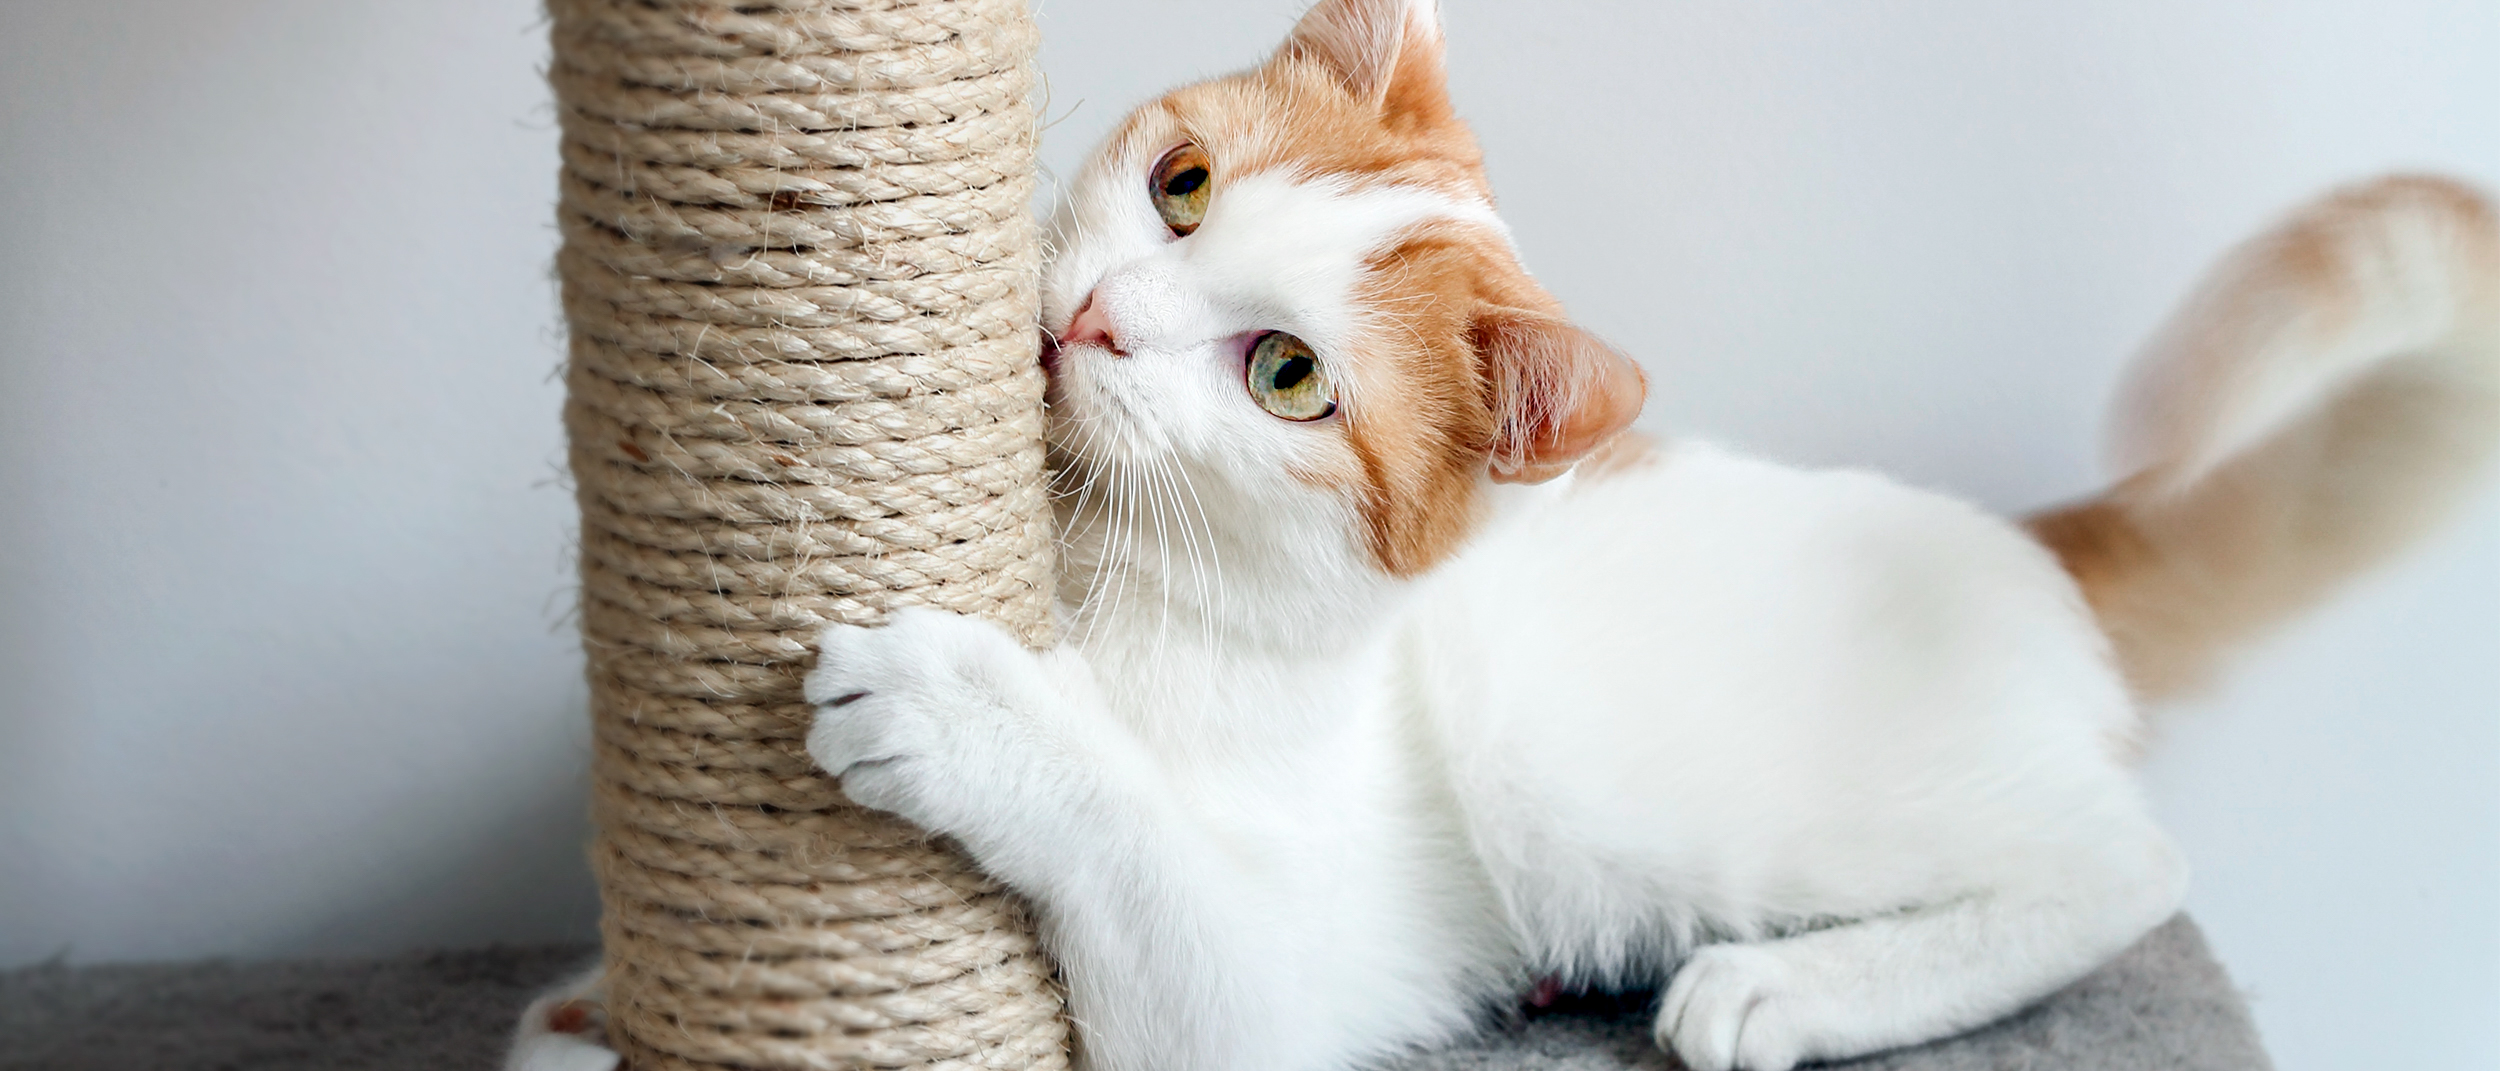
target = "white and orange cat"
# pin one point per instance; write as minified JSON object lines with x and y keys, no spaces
{"x":1397,"y":676}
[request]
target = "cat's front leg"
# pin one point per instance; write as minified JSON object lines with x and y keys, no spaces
{"x":949,"y":722}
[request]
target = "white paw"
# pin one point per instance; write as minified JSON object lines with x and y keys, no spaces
{"x":1731,"y":1009}
{"x":565,"y":1029}
{"x":914,"y":717}
{"x":560,"y":1052}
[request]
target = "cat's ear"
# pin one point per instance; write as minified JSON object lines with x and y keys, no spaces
{"x":1386,"y":52}
{"x":1557,"y":392}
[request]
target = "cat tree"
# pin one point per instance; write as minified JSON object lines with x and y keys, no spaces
{"x":799,"y":270}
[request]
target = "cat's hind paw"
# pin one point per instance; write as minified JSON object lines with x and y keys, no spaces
{"x":1730,"y":1009}
{"x":565,"y":1029}
{"x":560,"y":1052}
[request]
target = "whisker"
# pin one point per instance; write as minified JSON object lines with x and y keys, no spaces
{"x":1213,"y":574}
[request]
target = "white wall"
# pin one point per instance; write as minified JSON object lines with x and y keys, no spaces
{"x":285,"y":668}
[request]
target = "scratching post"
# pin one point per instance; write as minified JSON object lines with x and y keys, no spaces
{"x":799,"y":269}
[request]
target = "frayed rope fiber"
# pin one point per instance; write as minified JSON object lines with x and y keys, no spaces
{"x":799,"y":269}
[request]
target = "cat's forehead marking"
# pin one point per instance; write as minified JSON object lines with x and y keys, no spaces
{"x":1293,"y":117}
{"x":1299,"y":246}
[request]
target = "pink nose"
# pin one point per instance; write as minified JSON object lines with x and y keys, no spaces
{"x":1091,"y":326}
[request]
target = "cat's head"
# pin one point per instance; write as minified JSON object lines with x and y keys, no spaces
{"x":1287,"y":289}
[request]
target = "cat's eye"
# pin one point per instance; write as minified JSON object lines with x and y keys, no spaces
{"x":1180,"y":188}
{"x":1285,"y":378}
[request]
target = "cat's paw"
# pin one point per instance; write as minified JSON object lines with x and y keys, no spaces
{"x":1732,"y":1008}
{"x":559,"y":1051}
{"x":918,"y":717}
{"x":565,"y":1029}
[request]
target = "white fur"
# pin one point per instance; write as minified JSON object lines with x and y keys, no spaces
{"x":1841,"y":749}
{"x":1834,"y":755}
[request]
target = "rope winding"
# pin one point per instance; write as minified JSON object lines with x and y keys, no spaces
{"x":799,"y":270}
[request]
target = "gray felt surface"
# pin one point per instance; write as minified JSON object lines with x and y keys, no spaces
{"x":2164,"y":1006}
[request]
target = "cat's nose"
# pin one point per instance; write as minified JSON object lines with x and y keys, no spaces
{"x":1092,"y":325}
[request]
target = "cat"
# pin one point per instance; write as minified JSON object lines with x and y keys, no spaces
{"x":1398,"y":674}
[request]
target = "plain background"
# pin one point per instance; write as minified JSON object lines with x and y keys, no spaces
{"x":285,"y":661}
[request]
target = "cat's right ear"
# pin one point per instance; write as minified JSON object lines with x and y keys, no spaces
{"x":1386,"y":52}
{"x":1556,"y":392}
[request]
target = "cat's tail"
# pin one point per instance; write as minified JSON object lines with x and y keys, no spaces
{"x":2330,"y":391}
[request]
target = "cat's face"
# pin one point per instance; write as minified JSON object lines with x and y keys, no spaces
{"x":1288,"y":289}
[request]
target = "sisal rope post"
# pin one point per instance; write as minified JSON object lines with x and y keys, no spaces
{"x":799,"y":271}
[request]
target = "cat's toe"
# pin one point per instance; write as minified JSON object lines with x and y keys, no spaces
{"x":1724,"y":1012}
{"x":868,"y":687}
{"x":847,"y":661}
{"x":886,"y":785}
{"x":851,"y":728}
{"x":867,"y":741}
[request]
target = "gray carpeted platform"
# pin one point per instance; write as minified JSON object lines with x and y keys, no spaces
{"x":2164,"y":1006}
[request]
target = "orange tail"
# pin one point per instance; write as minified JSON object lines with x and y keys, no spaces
{"x":2327,"y":394}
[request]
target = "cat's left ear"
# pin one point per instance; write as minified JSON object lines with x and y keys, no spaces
{"x":1557,"y":393}
{"x":1386,"y":52}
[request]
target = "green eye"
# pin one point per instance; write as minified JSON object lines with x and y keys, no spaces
{"x":1180,"y":188}
{"x":1285,"y":378}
